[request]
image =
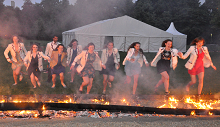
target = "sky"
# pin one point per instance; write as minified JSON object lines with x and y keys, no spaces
{"x":19,"y":3}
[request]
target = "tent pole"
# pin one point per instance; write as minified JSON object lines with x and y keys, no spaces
{"x":100,"y":42}
{"x":124,"y":44}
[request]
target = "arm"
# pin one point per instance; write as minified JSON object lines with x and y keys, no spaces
{"x":47,"y":49}
{"x":68,"y":55}
{"x":187,"y":53}
{"x":118,"y":56}
{"x":80,"y":48}
{"x":44,"y":56}
{"x":209,"y":57}
{"x":102,"y":58}
{"x":26,"y":59}
{"x":129,"y":54}
{"x":77,"y":58}
{"x":145,"y":60}
{"x":6,"y":54}
{"x":24,"y":49}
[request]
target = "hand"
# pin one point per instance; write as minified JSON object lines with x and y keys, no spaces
{"x":132,"y":60}
{"x":147,"y":65}
{"x":71,"y":67}
{"x":180,"y":54}
{"x":118,"y":65}
{"x":26,"y":65}
{"x":214,"y":67}
{"x":103,"y":66}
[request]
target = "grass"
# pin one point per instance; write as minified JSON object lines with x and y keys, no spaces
{"x":147,"y":80}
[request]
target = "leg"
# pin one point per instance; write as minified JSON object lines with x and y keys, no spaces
{"x":135,"y":83}
{"x":200,"y":86}
{"x":16,"y":72}
{"x":104,"y":82}
{"x":165,"y":78}
{"x":38,"y":82}
{"x":33,"y":80}
{"x":62,"y":79}
{"x":160,"y":82}
{"x":110,"y":80}
{"x":84,"y":83}
{"x":73,"y":71}
{"x":90,"y":85}
{"x":15,"y":77}
{"x":193,"y":81}
{"x":54,"y":80}
{"x":128,"y":80}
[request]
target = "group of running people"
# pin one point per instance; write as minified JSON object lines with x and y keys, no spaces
{"x":86,"y":61}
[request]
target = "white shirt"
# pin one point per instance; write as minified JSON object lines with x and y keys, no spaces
{"x":50,"y":47}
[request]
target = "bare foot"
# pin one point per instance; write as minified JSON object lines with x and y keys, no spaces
{"x":53,"y":86}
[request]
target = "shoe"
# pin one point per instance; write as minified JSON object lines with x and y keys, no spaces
{"x":64,"y":86}
{"x":103,"y":92}
{"x":166,"y":97}
{"x":14,"y":84}
{"x":53,"y":86}
{"x":71,"y":81}
{"x":79,"y":92}
{"x":20,"y":77}
{"x":198,"y":97}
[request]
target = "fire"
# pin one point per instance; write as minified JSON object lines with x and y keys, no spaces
{"x":124,"y":101}
{"x":190,"y":103}
{"x":101,"y":101}
{"x":201,"y":104}
{"x":43,"y":107}
{"x":172,"y":103}
{"x":210,"y":113}
{"x":193,"y":113}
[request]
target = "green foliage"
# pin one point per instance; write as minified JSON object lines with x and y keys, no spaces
{"x":52,"y":17}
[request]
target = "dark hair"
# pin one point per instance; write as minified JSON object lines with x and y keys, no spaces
{"x":64,"y":49}
{"x":71,"y":42}
{"x":133,"y":44}
{"x":165,"y":41}
{"x":106,"y":45}
{"x":37,"y":44}
{"x":55,"y":36}
{"x":15,"y":36}
{"x":196,"y":40}
{"x":86,"y":48}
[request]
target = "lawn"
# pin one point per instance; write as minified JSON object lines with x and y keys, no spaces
{"x":147,"y":80}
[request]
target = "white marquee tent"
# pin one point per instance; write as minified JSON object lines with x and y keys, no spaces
{"x":179,"y":39}
{"x":122,"y":30}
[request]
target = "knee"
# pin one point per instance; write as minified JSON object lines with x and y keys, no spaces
{"x":86,"y":82}
{"x":167,"y":78}
{"x":193,"y":81}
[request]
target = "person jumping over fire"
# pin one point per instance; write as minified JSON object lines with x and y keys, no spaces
{"x":165,"y":59}
{"x":110,"y":62}
{"x":89,"y":62}
{"x":72,"y":51}
{"x":133,"y":63}
{"x":18,"y":53}
{"x":33,"y":62}
{"x":58,"y":64}
{"x":199,"y":58}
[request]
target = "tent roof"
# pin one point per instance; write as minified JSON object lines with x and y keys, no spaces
{"x":173,"y":30}
{"x":121,"y":26}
